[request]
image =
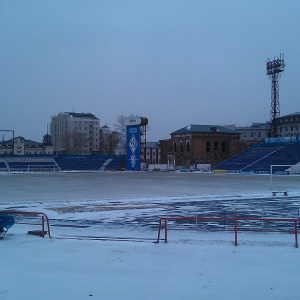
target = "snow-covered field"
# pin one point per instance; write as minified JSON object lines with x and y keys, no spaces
{"x":104,"y":226}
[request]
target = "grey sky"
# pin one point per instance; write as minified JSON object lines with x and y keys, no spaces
{"x":175,"y":62}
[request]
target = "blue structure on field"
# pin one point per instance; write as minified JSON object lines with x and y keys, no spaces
{"x":6,"y":221}
{"x":133,"y":148}
{"x":135,"y":140}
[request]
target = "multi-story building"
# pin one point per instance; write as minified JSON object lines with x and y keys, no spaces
{"x":22,"y":146}
{"x":152,"y":152}
{"x":109,"y":140}
{"x":254,"y":133}
{"x":75,"y":133}
{"x":200,"y":144}
{"x":289,"y":125}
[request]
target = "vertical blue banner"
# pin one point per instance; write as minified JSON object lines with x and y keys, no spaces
{"x":133,"y":145}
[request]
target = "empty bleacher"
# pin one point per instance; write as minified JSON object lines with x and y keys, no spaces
{"x":89,"y":162}
{"x":43,"y":163}
{"x":117,"y":163}
{"x":260,"y":159}
{"x":30,"y":163}
{"x":3,"y":165}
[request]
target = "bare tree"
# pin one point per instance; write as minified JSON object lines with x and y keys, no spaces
{"x":120,"y":128}
{"x":77,"y":142}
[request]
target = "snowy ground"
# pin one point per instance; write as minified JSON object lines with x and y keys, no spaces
{"x":104,"y":226}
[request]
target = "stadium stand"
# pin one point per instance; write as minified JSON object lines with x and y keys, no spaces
{"x":260,"y":159}
{"x":43,"y":163}
{"x":89,"y":162}
{"x":3,"y":165}
{"x":30,"y":163}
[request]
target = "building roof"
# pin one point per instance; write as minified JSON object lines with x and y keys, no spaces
{"x":295,"y":117}
{"x":26,"y":142}
{"x":152,"y":144}
{"x":254,"y":126}
{"x":192,"y":128}
{"x":82,"y":115}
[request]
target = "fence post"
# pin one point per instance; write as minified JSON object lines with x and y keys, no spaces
{"x":43,"y":226}
{"x":296,"y":233}
{"x":235,"y":232}
{"x":159,"y":227}
{"x":166,"y":230}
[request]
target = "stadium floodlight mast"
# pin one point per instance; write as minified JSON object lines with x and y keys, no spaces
{"x":274,"y":68}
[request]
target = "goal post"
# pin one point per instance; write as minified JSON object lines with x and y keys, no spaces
{"x":273,"y":172}
{"x":42,"y":168}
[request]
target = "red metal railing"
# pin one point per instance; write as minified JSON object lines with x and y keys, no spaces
{"x":163,"y":222}
{"x":32,"y":213}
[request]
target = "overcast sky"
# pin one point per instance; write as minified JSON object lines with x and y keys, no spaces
{"x":174,"y":62}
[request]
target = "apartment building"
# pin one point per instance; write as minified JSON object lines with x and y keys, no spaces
{"x":75,"y":133}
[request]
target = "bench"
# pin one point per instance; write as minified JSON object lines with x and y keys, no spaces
{"x":284,"y":193}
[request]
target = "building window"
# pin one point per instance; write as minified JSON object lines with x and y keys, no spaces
{"x":153,"y":153}
{"x":188,"y":146}
{"x":181,"y":147}
{"x":244,"y":134}
{"x":175,"y":147}
{"x":252,"y":134}
{"x":207,"y":146}
{"x":223,"y":147}
{"x":215,"y":146}
{"x":259,"y":134}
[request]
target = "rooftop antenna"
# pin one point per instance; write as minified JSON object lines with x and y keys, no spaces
{"x":274,"y":69}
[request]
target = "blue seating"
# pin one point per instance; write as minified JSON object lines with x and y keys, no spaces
{"x":260,"y":159}
{"x":6,"y":221}
{"x":245,"y":158}
{"x":43,"y":163}
{"x":88,"y":162}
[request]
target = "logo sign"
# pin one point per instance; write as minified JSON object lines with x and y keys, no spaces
{"x":133,"y":121}
{"x":133,"y":142}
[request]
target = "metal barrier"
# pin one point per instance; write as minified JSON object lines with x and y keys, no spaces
{"x":163,"y":222}
{"x":32,"y":213}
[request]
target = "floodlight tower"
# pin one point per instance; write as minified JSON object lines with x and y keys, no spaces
{"x":274,"y":70}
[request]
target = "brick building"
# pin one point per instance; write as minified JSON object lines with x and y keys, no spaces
{"x":200,"y":144}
